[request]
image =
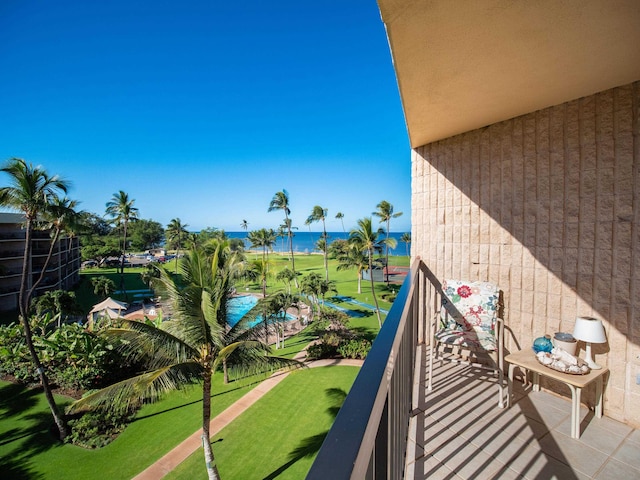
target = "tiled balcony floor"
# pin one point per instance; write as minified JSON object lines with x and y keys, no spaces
{"x":460,"y":433}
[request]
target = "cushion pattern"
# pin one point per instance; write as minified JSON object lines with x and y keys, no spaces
{"x":468,"y":314}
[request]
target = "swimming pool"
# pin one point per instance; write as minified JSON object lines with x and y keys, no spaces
{"x":238,"y":307}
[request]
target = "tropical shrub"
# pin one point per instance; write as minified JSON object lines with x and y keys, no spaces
{"x":320,"y":350}
{"x":74,"y":359}
{"x":98,"y":428}
{"x":14,"y":356}
{"x":339,"y":344}
{"x":355,"y":348}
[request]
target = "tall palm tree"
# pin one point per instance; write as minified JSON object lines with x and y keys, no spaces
{"x":59,"y":217}
{"x":319,"y":214}
{"x":406,"y":239}
{"x":30,"y":191}
{"x":121,"y":209}
{"x":340,"y":215}
{"x":286,"y":227}
{"x":192,"y":345}
{"x":367,"y":240}
{"x":263,"y":238}
{"x":274,"y":310}
{"x":286,"y":276}
{"x":176,"y":235}
{"x":310,"y":286}
{"x":280,"y":201}
{"x":385,"y":214}
{"x":353,"y":257}
{"x":258,"y":270}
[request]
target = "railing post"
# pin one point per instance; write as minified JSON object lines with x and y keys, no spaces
{"x":369,"y":436}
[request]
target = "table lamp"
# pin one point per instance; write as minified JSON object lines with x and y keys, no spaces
{"x":589,"y":330}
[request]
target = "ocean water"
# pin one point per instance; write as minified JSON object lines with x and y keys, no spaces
{"x":304,"y":242}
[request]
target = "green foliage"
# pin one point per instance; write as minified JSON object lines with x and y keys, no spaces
{"x":72,"y":357}
{"x":145,"y":234}
{"x":14,"y":356}
{"x":355,"y":348}
{"x":99,"y":247}
{"x":210,"y":233}
{"x":56,"y":301}
{"x":98,"y":428}
{"x":339,"y":344}
{"x":103,"y":286}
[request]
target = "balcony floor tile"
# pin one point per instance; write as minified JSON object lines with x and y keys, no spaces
{"x":460,"y":433}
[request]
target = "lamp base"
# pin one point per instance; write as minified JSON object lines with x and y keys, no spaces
{"x":593,"y":365}
{"x":589,"y":359}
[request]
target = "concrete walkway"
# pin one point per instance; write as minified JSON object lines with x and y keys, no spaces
{"x":180,"y":453}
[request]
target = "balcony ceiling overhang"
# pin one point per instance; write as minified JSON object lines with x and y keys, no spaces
{"x":462,"y":65}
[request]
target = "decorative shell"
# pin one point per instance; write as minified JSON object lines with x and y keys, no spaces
{"x":563,"y":362}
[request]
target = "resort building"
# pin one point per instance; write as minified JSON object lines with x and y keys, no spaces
{"x":524,"y":126}
{"x":62,"y":272}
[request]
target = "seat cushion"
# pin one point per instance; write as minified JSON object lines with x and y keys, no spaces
{"x":472,"y":339}
{"x":470,"y":307}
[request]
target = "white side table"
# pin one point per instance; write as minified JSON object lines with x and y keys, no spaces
{"x":526,"y":359}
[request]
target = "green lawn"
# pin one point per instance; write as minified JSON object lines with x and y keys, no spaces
{"x":279,"y":436}
{"x":27,"y":451}
{"x":260,"y":441}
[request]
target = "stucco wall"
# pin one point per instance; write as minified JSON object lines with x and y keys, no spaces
{"x":546,"y":206}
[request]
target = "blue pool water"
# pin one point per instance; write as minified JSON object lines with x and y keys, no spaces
{"x":238,"y":307}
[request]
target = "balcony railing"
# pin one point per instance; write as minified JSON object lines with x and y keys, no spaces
{"x":368,"y":439}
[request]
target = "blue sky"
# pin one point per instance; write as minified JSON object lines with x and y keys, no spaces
{"x":202,"y":110}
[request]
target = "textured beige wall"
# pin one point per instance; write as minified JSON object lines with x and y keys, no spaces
{"x":546,"y":205}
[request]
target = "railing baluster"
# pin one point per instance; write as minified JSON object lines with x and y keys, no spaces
{"x":369,"y":436}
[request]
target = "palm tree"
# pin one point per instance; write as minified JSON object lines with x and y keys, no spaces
{"x":190,"y":347}
{"x":310,"y":286}
{"x":30,"y":191}
{"x":244,"y":225}
{"x":366,"y":240}
{"x":280,"y":201}
{"x":176,"y":234}
{"x":258,"y":270}
{"x":264,"y":239}
{"x":353,"y":257}
{"x":103,"y":286}
{"x":319,"y":214}
{"x":385,"y":214}
{"x":59,"y":217}
{"x":285,"y":228}
{"x":274,"y":309}
{"x":340,"y":215}
{"x":121,"y":209}
{"x":406,"y":239}
{"x":286,"y":276}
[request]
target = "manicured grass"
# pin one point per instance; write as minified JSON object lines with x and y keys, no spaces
{"x":132,"y":281}
{"x":263,"y":442}
{"x":28,"y":451}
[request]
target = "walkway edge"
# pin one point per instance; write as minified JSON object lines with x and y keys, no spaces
{"x":183,"y":450}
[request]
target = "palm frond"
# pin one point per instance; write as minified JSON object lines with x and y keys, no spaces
{"x":154,"y":347}
{"x":245,"y":362}
{"x":148,"y":386}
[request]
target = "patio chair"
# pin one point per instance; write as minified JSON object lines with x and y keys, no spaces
{"x":467,"y":329}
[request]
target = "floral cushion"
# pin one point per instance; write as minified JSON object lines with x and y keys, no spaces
{"x":468,"y":314}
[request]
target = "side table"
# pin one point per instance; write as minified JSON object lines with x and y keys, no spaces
{"x":526,"y":359}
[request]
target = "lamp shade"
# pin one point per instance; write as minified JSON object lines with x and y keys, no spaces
{"x":589,"y":329}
